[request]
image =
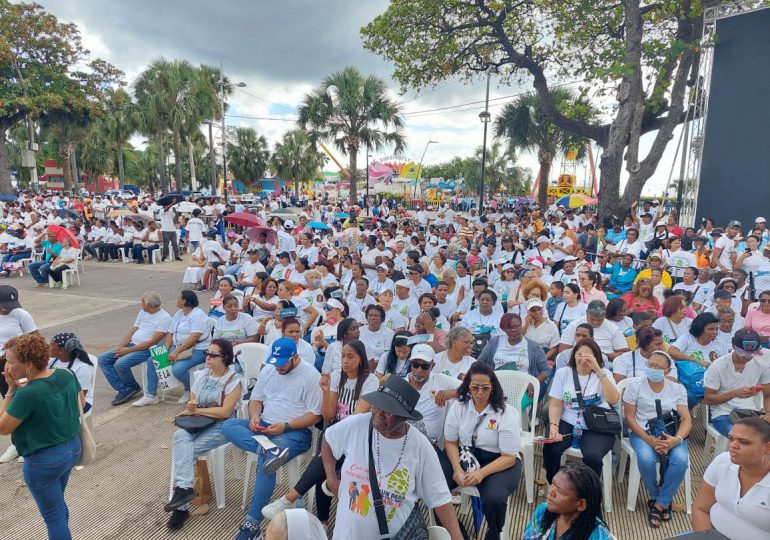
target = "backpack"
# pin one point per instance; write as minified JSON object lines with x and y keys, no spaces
{"x":691,"y":377}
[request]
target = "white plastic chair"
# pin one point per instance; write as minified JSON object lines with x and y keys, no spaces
{"x":216,"y":460}
{"x":251,"y":356}
{"x":627,"y":453}
{"x":67,"y":277}
{"x":126,"y":258}
{"x":514,"y":385}
{"x":438,"y":533}
{"x":87,"y":415}
{"x":293,"y":470}
{"x":606,"y":474}
{"x":717,"y":439}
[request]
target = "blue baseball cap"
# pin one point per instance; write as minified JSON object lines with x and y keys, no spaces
{"x":284,"y":350}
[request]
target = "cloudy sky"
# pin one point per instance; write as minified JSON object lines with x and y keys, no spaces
{"x":281,"y":50}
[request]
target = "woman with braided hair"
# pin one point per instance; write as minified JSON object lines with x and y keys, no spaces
{"x":573,"y":508}
{"x":67,"y":352}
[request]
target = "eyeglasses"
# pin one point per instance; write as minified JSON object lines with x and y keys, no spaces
{"x":751,"y":346}
{"x":214,"y":355}
{"x":480,"y":389}
{"x":421,"y":365}
{"x":764,"y":300}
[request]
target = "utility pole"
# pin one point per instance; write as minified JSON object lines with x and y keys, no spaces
{"x":485,"y":117}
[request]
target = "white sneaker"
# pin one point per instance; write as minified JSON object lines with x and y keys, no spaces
{"x":185,"y":397}
{"x":270,"y":511}
{"x":146,"y":400}
{"x":9,"y":455}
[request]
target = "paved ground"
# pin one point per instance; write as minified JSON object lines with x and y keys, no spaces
{"x":122,"y":494}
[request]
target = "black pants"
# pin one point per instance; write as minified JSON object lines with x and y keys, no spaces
{"x":314,"y":475}
{"x":92,"y":247}
{"x":494,"y":489}
{"x":56,"y":275}
{"x":3,"y":384}
{"x":593,"y":445}
{"x":170,"y":236}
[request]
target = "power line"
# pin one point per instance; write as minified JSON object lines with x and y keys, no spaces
{"x":271,"y":118}
{"x":285,"y":107}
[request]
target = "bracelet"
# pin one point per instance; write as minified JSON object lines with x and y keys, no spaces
{"x":286,"y":427}
{"x":553,"y":424}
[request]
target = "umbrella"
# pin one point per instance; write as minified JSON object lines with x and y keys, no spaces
{"x":576,"y":201}
{"x":318,"y":225}
{"x":141,"y":217}
{"x":8,"y":197}
{"x":170,"y":198}
{"x":253,"y":234}
{"x":186,"y":207}
{"x":118,"y":213}
{"x":341,"y":215}
{"x":66,"y":212}
{"x":62,"y":233}
{"x":244,"y":219}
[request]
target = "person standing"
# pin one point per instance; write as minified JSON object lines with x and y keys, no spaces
{"x":168,"y":231}
{"x":41,"y":413}
{"x":14,"y":321}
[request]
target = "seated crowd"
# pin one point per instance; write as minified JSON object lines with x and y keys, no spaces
{"x":395,"y":346}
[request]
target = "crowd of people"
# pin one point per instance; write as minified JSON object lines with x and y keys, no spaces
{"x":389,"y":334}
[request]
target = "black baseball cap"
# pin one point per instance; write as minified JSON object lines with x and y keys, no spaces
{"x":9,"y":297}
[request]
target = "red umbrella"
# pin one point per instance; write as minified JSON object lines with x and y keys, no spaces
{"x":244,"y":219}
{"x":253,"y":235}
{"x":61,"y":233}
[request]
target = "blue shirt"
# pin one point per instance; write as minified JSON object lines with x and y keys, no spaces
{"x":614,"y":237}
{"x":621,"y":278}
{"x":534,"y":530}
{"x":55,"y":248}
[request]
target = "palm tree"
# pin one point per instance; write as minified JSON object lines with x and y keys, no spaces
{"x":526,"y":127}
{"x":351,"y":111}
{"x":97,"y":154}
{"x":67,"y":129}
{"x":248,"y":157}
{"x":297,"y":158}
{"x":121,"y":121}
{"x":218,"y":83}
{"x":176,"y":95}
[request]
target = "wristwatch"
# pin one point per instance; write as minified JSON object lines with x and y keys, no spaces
{"x":286,"y":427}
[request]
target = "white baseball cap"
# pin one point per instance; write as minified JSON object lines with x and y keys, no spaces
{"x":422,"y":351}
{"x":288,"y":224}
{"x":536,"y":262}
{"x":334,"y":303}
{"x":760,"y":220}
{"x":534,"y":302}
{"x":542,"y":239}
{"x":405,"y":283}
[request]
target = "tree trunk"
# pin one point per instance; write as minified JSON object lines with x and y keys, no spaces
{"x":353,"y":153}
{"x":121,"y":169}
{"x":542,"y":188}
{"x":64,"y":153}
{"x":178,"y":160}
{"x":6,"y":186}
{"x":193,"y":178}
{"x":212,"y":158}
{"x":162,"y":166}
{"x":609,"y":186}
{"x":74,"y":165}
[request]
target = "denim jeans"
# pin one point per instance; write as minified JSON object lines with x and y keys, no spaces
{"x":139,"y":250}
{"x":46,"y":473}
{"x":647,"y":459}
{"x":237,"y":432}
{"x":188,"y":447}
{"x":722,"y":424}
{"x":39,"y":271}
{"x":232,"y":270}
{"x":117,"y":371}
{"x":181,"y":368}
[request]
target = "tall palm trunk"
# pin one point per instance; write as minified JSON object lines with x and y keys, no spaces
{"x":65,"y":150}
{"x":74,"y":165}
{"x":178,"y":160}
{"x":191,"y":154}
{"x":545,"y":159}
{"x":121,"y":169}
{"x":162,"y":165}
{"x":5,"y":176}
{"x":353,"y":153}
{"x":212,"y":157}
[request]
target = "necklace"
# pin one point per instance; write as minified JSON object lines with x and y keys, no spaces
{"x":380,"y":476}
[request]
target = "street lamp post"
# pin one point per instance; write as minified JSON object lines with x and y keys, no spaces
{"x":419,"y":168}
{"x":224,"y":131}
{"x":366,"y":200}
{"x":485,"y":117}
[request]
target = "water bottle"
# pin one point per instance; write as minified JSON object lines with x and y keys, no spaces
{"x":577,"y":433}
{"x":300,"y":504}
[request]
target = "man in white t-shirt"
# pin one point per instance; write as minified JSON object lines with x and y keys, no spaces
{"x":607,"y":334}
{"x":724,"y":249}
{"x":150,"y":326}
{"x":167,"y":229}
{"x":735,"y":380}
{"x":407,"y":466}
{"x":285,"y":403}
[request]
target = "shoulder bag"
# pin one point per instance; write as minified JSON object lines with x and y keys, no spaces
{"x":598,"y":419}
{"x":87,"y":442}
{"x":740,"y":414}
{"x":196,"y":424}
{"x":413,"y":528}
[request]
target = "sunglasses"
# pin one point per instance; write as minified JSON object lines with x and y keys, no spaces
{"x":214,"y":355}
{"x":421,"y":365}
{"x":480,"y":389}
{"x":750,"y":345}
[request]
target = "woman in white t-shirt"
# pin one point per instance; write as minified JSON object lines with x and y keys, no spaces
{"x":68,"y":353}
{"x":235,"y":326}
{"x":225,"y":287}
{"x":673,"y":323}
{"x":393,"y":319}
{"x":374,"y":335}
{"x":455,"y":361}
{"x":734,"y":497}
{"x":396,"y":360}
{"x":571,"y":308}
{"x":482,"y":440}
{"x":699,"y":344}
{"x":650,"y":440}
{"x":263,"y":305}
{"x":565,"y":413}
{"x":66,"y":259}
{"x":215,"y":393}
{"x":540,"y":329}
{"x":342,"y":391}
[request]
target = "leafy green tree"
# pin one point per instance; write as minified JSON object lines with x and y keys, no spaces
{"x":68,"y":129}
{"x":249,"y":157}
{"x":41,"y":71}
{"x":121,"y":121}
{"x":353,"y":112}
{"x":297,"y":158}
{"x":640,"y":55}
{"x":526,"y":127}
{"x":96,"y":154}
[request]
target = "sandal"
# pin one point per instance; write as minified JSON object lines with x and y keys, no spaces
{"x":654,"y":516}
{"x":667,"y":514}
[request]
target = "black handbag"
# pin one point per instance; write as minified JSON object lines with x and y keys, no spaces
{"x":196,"y":424}
{"x":598,"y":419}
{"x":739,"y":414}
{"x":413,"y":528}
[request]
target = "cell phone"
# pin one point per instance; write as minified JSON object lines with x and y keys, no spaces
{"x":260,"y":428}
{"x":758,"y":388}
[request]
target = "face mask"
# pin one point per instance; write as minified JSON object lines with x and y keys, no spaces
{"x":655,"y":375}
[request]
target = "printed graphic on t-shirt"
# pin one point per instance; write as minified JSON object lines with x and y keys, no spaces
{"x":393,"y":492}
{"x":492,"y":424}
